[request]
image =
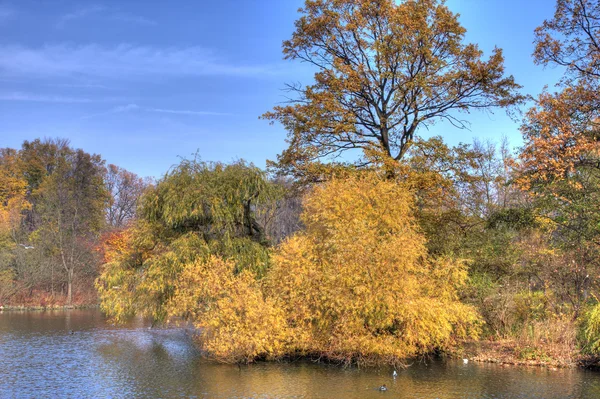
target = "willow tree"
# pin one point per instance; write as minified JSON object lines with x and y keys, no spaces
{"x":197,"y":210}
{"x":357,"y":285}
{"x":385,"y":69}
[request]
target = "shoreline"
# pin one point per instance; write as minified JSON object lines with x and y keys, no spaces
{"x":22,"y":308}
{"x":505,"y":353}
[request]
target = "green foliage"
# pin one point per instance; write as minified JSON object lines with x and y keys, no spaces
{"x":591,"y":329}
{"x":215,"y":199}
{"x":196,"y":211}
{"x":513,"y":218}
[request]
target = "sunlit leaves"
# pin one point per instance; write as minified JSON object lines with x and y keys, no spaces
{"x":197,"y":210}
{"x":357,"y":284}
{"x":385,"y":69}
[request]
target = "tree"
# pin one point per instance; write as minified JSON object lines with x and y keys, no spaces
{"x":357,"y":284}
{"x":237,"y":322}
{"x":384,"y":70}
{"x":561,"y":131}
{"x":13,"y":203}
{"x":572,"y":40}
{"x":560,"y":161}
{"x":561,"y":135}
{"x":195,"y":211}
{"x":125,"y":189}
{"x":13,"y":191}
{"x":71,"y":204}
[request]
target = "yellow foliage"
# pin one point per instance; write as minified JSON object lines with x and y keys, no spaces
{"x":12,"y":202}
{"x":236,"y":322}
{"x":356,"y":285}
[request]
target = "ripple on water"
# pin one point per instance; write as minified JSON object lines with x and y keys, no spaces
{"x":40,"y":358}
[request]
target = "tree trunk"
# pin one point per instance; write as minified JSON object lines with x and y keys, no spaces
{"x":70,"y":287}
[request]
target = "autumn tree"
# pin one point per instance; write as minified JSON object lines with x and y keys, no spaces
{"x":236,"y":321}
{"x":561,"y":131}
{"x":71,"y":203}
{"x":13,"y":202}
{"x":195,"y":211}
{"x":571,"y":39}
{"x":357,"y":284}
{"x":561,"y":156}
{"x":13,"y":191}
{"x":125,"y":189}
{"x":558,"y":166}
{"x":385,"y":69}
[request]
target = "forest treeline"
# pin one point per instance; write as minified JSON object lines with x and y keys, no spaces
{"x":57,"y":203}
{"x":363,"y":242}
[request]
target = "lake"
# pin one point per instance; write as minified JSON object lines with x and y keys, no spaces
{"x":40,"y":357}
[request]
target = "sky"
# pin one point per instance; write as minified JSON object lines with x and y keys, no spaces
{"x":145,"y":83}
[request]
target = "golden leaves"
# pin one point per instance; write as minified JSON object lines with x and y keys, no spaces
{"x":356,"y":285}
{"x":561,"y":135}
{"x":384,"y":69}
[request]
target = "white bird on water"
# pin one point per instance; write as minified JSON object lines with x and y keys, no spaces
{"x":394,"y":374}
{"x":466,"y":361}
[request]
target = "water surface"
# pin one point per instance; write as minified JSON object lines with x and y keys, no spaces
{"x":40,"y":357}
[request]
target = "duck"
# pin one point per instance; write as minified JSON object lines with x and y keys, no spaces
{"x":383,"y":388}
{"x":394,"y":374}
{"x":466,"y":361}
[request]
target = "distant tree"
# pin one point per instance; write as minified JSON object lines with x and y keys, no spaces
{"x":71,"y":203}
{"x":385,"y":69}
{"x":125,"y":189}
{"x":39,"y":158}
{"x":13,"y":202}
{"x":281,"y":218}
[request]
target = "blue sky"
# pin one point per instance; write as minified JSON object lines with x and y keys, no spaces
{"x":145,"y":82}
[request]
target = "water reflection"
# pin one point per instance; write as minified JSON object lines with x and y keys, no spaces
{"x":39,"y":357}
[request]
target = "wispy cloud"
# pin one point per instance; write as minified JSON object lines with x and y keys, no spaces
{"x":32,"y":97}
{"x":186,"y":112}
{"x":78,"y":14}
{"x":125,"y":108}
{"x":103,"y":12}
{"x":78,"y":85}
{"x":121,"y":61}
{"x":134,"y":107}
{"x":131,"y":18}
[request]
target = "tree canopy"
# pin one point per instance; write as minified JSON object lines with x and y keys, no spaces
{"x":385,"y":69}
{"x":196,"y":210}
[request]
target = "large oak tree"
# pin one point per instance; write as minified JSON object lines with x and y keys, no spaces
{"x":383,"y":71}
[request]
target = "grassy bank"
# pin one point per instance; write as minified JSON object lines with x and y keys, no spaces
{"x":42,"y":300}
{"x":9,"y":308}
{"x":513,"y":352}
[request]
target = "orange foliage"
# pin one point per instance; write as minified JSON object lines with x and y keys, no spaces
{"x":561,"y":134}
{"x":114,"y":244}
